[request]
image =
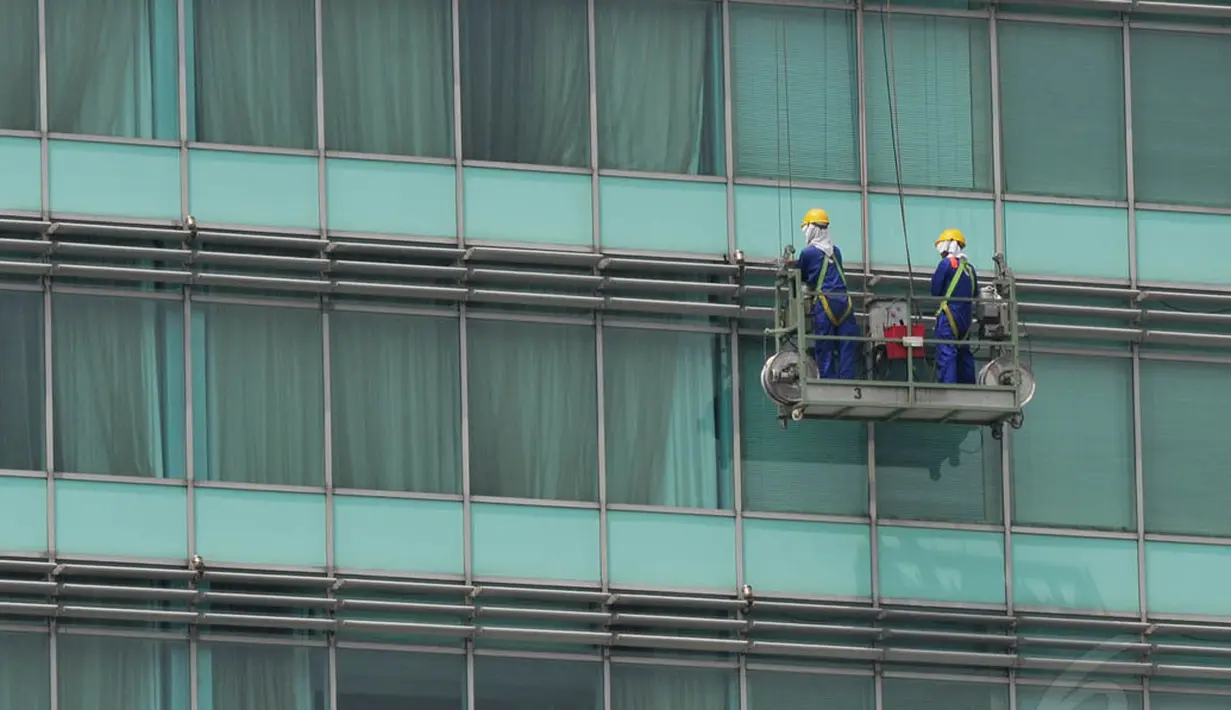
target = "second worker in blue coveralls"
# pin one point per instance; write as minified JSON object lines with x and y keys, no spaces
{"x":955,"y":279}
{"x":821,"y":264}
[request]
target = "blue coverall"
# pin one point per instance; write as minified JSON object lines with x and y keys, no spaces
{"x":954,"y":278}
{"x":837,"y":319}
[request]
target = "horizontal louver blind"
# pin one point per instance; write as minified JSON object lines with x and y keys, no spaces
{"x":794,"y":66}
{"x":1062,"y":110}
{"x":1181,"y":101}
{"x":942,"y":72}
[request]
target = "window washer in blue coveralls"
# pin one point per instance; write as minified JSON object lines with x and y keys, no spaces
{"x":954,"y":278}
{"x":832,"y":311}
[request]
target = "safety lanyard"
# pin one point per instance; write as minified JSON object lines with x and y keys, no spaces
{"x":964,"y":269}
{"x":820,"y":292}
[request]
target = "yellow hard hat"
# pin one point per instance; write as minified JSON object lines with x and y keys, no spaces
{"x":952,"y":235}
{"x":815,"y":216}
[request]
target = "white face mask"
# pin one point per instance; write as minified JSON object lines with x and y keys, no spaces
{"x":950,"y":248}
{"x":819,"y":237}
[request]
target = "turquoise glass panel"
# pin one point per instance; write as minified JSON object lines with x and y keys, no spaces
{"x":114,"y":180}
{"x":1058,"y":696}
{"x":926,"y":218}
{"x":1075,"y":573}
{"x":767,"y":219}
{"x":121,"y":520}
{"x":1188,"y":701}
{"x":1094,"y":239}
{"x":670,"y":550}
{"x":379,"y":197}
{"x":253,"y":189}
{"x":23,"y":514}
{"x":941,"y":565}
{"x":261,"y":527}
{"x":21,"y":188}
{"x":529,"y":207}
{"x":1203,"y":260}
{"x":398,"y":535}
{"x":1181,"y":578}
{"x":663,"y":215}
{"x":534,"y":542}
{"x":807,"y":559}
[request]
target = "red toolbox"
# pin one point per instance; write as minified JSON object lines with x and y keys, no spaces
{"x":894,"y":334}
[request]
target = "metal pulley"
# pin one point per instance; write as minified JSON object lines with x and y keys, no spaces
{"x":1004,"y":372}
{"x":780,"y":377}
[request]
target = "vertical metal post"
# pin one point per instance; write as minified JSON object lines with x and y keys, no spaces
{"x":873,"y":516}
{"x":737,"y":465}
{"x":194,"y":674}
{"x":322,"y":202}
{"x":333,"y":671}
{"x":743,"y":681}
{"x":49,"y":421}
{"x":600,"y":360}
{"x":606,"y":679}
{"x":44,"y":148}
{"x":865,"y":233}
{"x":1129,"y":171}
{"x":327,"y":366}
{"x":997,"y":157}
{"x":1139,"y":482}
{"x":53,"y":654}
{"x":729,"y":125}
{"x":1006,"y":451}
{"x":459,"y":191}
{"x":464,"y":353}
{"x":595,"y":217}
{"x":190,"y":473}
{"x":870,"y":428}
{"x":469,"y":646}
{"x":182,"y":20}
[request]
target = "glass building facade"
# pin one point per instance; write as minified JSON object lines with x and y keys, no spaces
{"x":363,"y":354}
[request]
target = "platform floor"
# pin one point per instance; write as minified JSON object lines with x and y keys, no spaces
{"x":874,"y":400}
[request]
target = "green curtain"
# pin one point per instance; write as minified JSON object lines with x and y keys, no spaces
{"x":388,"y":76}
{"x":21,"y":380}
{"x":1073,"y":461}
{"x":19,"y":108}
{"x":664,"y":393}
{"x":119,"y":385}
{"x":502,"y":683}
{"x":25,"y":670}
{"x":258,"y":392}
{"x":1185,"y":447}
{"x":373,"y":680}
{"x":533,"y":410}
{"x":113,"y":68}
{"x":525,"y":81}
{"x":644,"y":687}
{"x":942,"y":71}
{"x":777,"y":690}
{"x":396,"y":399}
{"x":253,"y":72}
{"x":794,"y":71}
{"x":261,"y":677}
{"x":659,"y":77}
{"x":1181,"y":148}
{"x":1062,"y":109}
{"x":112,"y":673}
{"x":918,"y":694}
{"x":941,"y":472}
{"x":818,"y":467}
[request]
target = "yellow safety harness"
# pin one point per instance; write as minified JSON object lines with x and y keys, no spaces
{"x":820,"y":293}
{"x":963,"y":269}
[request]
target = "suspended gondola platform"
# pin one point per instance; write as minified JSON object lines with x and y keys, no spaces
{"x":895,"y":382}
